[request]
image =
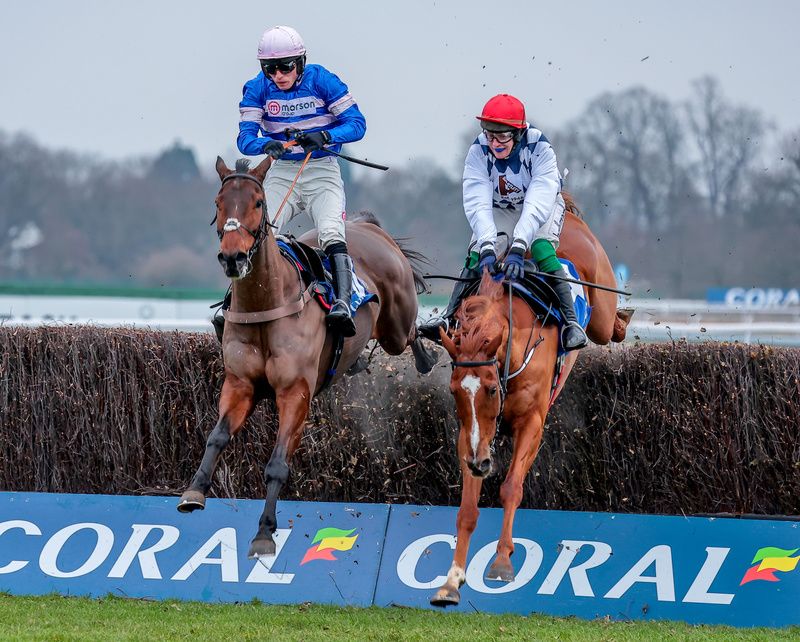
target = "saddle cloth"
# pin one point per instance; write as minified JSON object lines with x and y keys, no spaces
{"x":537,"y":293}
{"x":314,"y":266}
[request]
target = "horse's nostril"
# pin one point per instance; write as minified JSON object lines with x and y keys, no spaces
{"x":480,"y":468}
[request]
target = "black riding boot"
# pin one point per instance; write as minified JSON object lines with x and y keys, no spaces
{"x":572,"y":335}
{"x":430,"y":329}
{"x":340,"y":317}
{"x":218,"y":321}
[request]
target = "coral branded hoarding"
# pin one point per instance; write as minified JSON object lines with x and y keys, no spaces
{"x":738,"y":572}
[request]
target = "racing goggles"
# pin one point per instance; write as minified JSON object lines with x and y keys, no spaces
{"x":285,"y":66}
{"x":500,"y":137}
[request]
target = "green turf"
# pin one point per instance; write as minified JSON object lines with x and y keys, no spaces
{"x":111,"y":618}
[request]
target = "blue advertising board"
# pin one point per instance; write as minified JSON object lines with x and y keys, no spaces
{"x":590,"y":565}
{"x":755,"y":298}
{"x":593,"y":565}
{"x":142,"y":547}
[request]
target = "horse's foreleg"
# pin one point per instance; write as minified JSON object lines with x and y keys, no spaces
{"x":526,"y":445}
{"x":293,"y":403}
{"x":235,"y":405}
{"x":465,"y":525}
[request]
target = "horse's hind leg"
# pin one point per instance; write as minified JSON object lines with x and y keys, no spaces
{"x":293,"y":403}
{"x":235,"y":405}
{"x":424,"y":357}
{"x":396,"y":330}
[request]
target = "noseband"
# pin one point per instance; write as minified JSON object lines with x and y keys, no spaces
{"x":233,"y":224}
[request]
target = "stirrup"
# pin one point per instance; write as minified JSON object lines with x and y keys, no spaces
{"x":430,"y":329}
{"x":340,"y":319}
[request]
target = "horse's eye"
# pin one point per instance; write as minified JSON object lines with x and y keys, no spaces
{"x":492,"y":390}
{"x":259,"y":204}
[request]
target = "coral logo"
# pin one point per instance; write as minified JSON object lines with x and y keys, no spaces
{"x":273,"y":107}
{"x":330,"y":539}
{"x":769,"y":559}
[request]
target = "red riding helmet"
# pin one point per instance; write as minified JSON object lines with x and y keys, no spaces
{"x":504,"y":110}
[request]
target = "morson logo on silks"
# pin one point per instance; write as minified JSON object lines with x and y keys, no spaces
{"x":588,"y":565}
{"x":768,"y":560}
{"x":330,"y":539}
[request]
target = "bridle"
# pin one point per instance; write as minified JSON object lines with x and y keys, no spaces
{"x":504,"y":378}
{"x":235,"y":225}
{"x":501,"y":380}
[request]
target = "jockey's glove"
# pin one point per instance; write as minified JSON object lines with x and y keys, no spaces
{"x":514,"y":265}
{"x":312,"y":141}
{"x":274,"y":148}
{"x":487,"y":259}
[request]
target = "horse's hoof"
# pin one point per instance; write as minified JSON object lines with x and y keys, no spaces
{"x":361,"y":364}
{"x":192,"y":500}
{"x":500,"y":571}
{"x":261,"y":547}
{"x":446,"y":596}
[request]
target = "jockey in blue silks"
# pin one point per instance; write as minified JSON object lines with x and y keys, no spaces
{"x":291,"y":100}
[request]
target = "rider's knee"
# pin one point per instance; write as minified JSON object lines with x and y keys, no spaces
{"x":544,"y":253}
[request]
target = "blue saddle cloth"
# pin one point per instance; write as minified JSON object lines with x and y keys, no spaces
{"x":325,"y":290}
{"x":545,"y":303}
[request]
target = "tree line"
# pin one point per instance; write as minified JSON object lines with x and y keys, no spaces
{"x":689,"y":194}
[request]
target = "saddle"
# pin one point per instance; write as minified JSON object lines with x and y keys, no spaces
{"x":532,"y":289}
{"x":310,"y":259}
{"x":314,"y":267}
{"x":540,"y":296}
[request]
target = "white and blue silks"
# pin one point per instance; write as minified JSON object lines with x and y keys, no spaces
{"x":318,"y":101}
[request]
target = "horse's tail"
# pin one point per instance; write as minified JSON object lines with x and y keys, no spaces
{"x":416,"y":259}
{"x":570,"y":205}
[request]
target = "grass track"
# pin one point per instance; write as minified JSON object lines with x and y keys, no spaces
{"x":59,"y":618}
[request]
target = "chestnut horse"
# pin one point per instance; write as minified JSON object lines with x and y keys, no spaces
{"x":287,"y":355}
{"x":478,"y":349}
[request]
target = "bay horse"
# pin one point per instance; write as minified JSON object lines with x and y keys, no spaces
{"x":282,"y":349}
{"x":478,"y":348}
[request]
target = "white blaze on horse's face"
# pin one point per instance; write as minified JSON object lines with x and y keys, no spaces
{"x":472,"y":384}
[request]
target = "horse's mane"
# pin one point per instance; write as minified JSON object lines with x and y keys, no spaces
{"x":367,"y":217}
{"x":570,"y":205}
{"x":242,"y":166}
{"x":477,"y":326}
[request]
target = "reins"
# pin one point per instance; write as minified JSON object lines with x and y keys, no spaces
{"x":233,"y":224}
{"x":291,"y":188}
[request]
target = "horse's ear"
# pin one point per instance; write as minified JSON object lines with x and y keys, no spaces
{"x":493,"y":344}
{"x":448,"y":343}
{"x":261,"y":170}
{"x":222,"y":168}
{"x":489,"y":287}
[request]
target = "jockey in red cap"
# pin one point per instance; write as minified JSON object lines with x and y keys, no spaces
{"x":512,"y":185}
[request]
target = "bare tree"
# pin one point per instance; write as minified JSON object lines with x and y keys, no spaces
{"x":625,"y":149}
{"x":727,"y":138}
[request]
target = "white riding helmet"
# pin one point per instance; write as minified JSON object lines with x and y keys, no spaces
{"x":280,"y":42}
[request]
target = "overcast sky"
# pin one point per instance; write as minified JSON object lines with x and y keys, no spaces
{"x":129,"y":78}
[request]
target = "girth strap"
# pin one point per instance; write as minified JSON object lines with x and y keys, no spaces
{"x":265,"y":316}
